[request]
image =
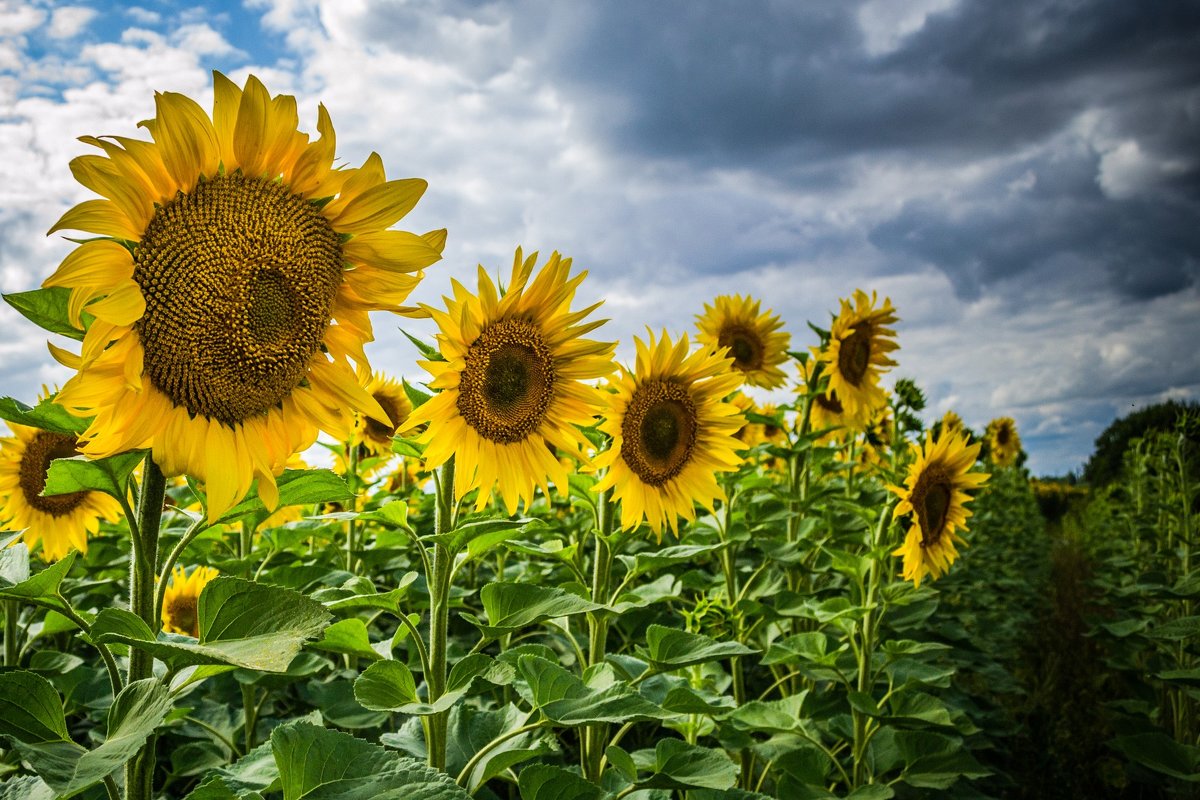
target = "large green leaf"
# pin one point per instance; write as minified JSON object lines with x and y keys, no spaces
{"x":242,"y":623}
{"x":319,"y":764}
{"x":47,"y":415}
{"x":108,"y":475}
{"x":360,"y":593}
{"x":69,"y":768}
{"x":679,"y":765}
{"x":479,"y":536}
{"x":25,"y":787}
{"x":545,"y":782}
{"x":297,"y":487}
{"x":14,"y":559}
{"x":667,"y":557}
{"x":567,"y":700}
{"x":47,"y":308}
{"x":390,"y":685}
{"x":41,"y":588}
{"x":1161,"y":753}
{"x":348,"y":637}
{"x":30,"y":709}
{"x":516,"y":605}
{"x":247,"y":777}
{"x":671,"y":648}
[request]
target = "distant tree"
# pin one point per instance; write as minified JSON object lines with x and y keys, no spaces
{"x":1104,"y":466}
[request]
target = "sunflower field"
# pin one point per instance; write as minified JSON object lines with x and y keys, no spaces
{"x":534,"y":572}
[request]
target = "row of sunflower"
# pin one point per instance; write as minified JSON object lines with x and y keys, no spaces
{"x":363,"y":635}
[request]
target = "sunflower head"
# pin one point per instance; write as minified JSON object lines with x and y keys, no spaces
{"x":755,"y":342}
{"x":60,"y":522}
{"x":512,"y":381}
{"x":857,"y":353}
{"x":180,"y":612}
{"x":826,"y":410}
{"x":951,"y":423}
{"x":671,"y":433}
{"x":750,"y":433}
{"x":935,"y":494}
{"x":229,"y":280}
{"x":1004,"y":445}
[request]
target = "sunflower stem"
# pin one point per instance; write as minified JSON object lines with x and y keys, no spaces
{"x":12,"y":610}
{"x":594,"y":736}
{"x":139,"y":772}
{"x":164,"y":574}
{"x":352,"y":524}
{"x":866,"y":650}
{"x":439,"y":613}
{"x":729,"y":567}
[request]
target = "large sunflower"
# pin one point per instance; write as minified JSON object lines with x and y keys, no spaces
{"x":1004,"y":444}
{"x":230,"y":287}
{"x":935,"y":494}
{"x":180,"y":612}
{"x":857,"y":353}
{"x":60,"y":522}
{"x":512,"y":381}
{"x":671,"y":433}
{"x":755,"y":343}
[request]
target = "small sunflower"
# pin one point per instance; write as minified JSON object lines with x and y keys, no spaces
{"x":230,"y":282}
{"x":373,"y":435}
{"x":878,"y":437}
{"x":671,"y":433}
{"x":750,"y":433}
{"x":755,"y":343}
{"x":1004,"y":444}
{"x":951,"y":424}
{"x":773,"y":435}
{"x":179,"y":611}
{"x":826,"y":411}
{"x":512,"y":382}
{"x":857,"y":353}
{"x":60,"y":522}
{"x":935,"y":493}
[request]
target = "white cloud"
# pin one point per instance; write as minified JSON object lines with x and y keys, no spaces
{"x":67,"y":22}
{"x":886,"y":23}
{"x":18,"y":18}
{"x":143,"y":16}
{"x":202,"y":40}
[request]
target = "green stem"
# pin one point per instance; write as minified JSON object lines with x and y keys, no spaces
{"x":110,"y":663}
{"x":139,"y":772}
{"x":352,"y":524}
{"x":489,"y":747}
{"x":866,"y":649}
{"x":220,"y":737}
{"x":439,"y":614}
{"x":12,"y":610}
{"x":250,"y":714}
{"x":729,"y":567}
{"x":164,"y":574}
{"x":591,"y":751}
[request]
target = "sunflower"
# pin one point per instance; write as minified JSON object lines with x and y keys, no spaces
{"x":755,"y":342}
{"x":671,"y":433}
{"x":1004,"y":444}
{"x":750,"y":433}
{"x":826,"y":412}
{"x":179,"y":612}
{"x":60,"y":522}
{"x":878,"y":436}
{"x":230,"y":284}
{"x":372,"y":437}
{"x":512,"y":382}
{"x":951,"y":423}
{"x":857,"y":353}
{"x":935,"y":493}
{"x":773,"y":435}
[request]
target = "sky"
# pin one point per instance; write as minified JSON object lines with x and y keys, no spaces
{"x":1022,"y":179}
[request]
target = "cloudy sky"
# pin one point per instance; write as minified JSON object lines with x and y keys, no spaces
{"x":1021,"y":178}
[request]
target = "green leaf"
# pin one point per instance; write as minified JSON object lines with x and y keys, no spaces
{"x":427,"y":351}
{"x":347,"y":636}
{"x":390,"y":686}
{"x":253,"y":773}
{"x":242,"y":623}
{"x":622,"y":762}
{"x":47,"y":415}
{"x":670,"y":648}
{"x":14,"y":560}
{"x":47,"y":308}
{"x":297,"y":487}
{"x":1177,"y":629}
{"x":679,"y":765}
{"x":482,"y":535}
{"x":769,"y":716}
{"x":319,"y":764}
{"x":668,"y":557}
{"x":565,"y":699}
{"x":108,"y":475}
{"x":515,"y":605}
{"x":25,"y":787}
{"x":545,"y":782}
{"x":30,"y":709}
{"x":42,"y":588}
{"x":472,"y":729}
{"x":1161,"y":753}
{"x":69,"y":768}
{"x":347,"y":599}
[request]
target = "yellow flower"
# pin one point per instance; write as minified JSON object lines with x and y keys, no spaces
{"x":671,"y":433}
{"x":826,"y":411}
{"x":60,"y":522}
{"x":935,"y":493}
{"x":750,"y":433}
{"x":230,"y":286}
{"x":878,"y":437}
{"x":179,"y":611}
{"x":376,"y":436}
{"x":1004,"y":445}
{"x":755,"y":343}
{"x":951,"y":424}
{"x":857,"y":354}
{"x":512,"y":382}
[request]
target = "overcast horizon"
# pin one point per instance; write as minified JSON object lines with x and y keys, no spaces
{"x":1021,"y":179}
